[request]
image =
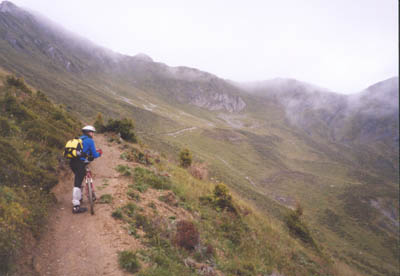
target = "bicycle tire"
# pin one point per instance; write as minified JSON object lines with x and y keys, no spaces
{"x":90,"y":195}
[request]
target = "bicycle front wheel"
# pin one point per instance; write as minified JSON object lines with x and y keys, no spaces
{"x":90,"y":195}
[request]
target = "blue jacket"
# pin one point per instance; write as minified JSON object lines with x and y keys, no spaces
{"x":88,"y":147}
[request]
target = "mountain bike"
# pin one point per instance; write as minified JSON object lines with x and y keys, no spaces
{"x":89,"y":189}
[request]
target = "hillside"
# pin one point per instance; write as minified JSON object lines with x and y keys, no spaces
{"x":142,"y":209}
{"x":274,"y":144}
{"x":32,"y":133}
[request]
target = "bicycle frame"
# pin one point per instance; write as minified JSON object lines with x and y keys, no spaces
{"x":89,"y":189}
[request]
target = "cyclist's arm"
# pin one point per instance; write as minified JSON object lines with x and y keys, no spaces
{"x":92,"y":149}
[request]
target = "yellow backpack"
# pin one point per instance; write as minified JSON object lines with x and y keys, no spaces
{"x":73,"y":148}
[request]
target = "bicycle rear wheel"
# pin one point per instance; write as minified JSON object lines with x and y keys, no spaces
{"x":89,"y":184}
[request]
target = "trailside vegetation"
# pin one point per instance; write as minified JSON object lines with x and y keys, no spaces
{"x":185,"y":158}
{"x":189,"y":226}
{"x":33,"y":132}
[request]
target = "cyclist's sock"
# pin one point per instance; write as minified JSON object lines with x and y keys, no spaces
{"x":76,"y":196}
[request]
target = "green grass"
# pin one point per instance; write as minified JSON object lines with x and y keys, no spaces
{"x":145,"y":177}
{"x":30,"y":148}
{"x":128,"y":261}
{"x":124,"y":170}
{"x":106,"y":198}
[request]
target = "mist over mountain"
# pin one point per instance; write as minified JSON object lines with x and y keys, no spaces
{"x":306,"y":104}
{"x":274,"y":142}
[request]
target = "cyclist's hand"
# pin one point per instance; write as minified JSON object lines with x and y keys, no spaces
{"x":100,"y":152}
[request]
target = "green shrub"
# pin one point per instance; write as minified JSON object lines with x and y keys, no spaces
{"x":297,"y":227}
{"x":222,"y":198}
{"x":124,"y":127}
{"x":132,"y":195}
{"x":106,"y":198}
{"x":21,"y":211}
{"x":128,"y":261}
{"x":142,"y":187}
{"x":14,"y":109}
{"x":99,"y":123}
{"x":117,"y":214}
{"x":130,"y":209}
{"x":185,"y":158}
{"x":124,"y":170}
{"x":132,"y":231}
{"x":141,"y":221}
{"x":19,"y":83}
{"x":5,"y":127}
{"x":13,"y":223}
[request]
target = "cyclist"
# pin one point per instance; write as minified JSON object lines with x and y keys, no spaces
{"x":78,"y":166}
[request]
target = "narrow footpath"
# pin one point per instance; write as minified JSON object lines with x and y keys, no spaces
{"x":82,"y":244}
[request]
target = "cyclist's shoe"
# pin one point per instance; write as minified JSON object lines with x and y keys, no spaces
{"x":78,"y":209}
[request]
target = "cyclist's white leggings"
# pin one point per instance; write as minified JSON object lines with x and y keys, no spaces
{"x":76,"y":196}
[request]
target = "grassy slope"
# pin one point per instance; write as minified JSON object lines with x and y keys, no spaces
{"x":317,"y":174}
{"x":247,"y":243}
{"x":32,"y":132}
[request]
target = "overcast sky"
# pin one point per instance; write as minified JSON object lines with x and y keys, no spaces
{"x":338,"y":44}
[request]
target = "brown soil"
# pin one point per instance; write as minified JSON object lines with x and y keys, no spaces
{"x":85,"y":244}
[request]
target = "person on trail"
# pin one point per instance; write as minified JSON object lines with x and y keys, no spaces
{"x":78,"y":166}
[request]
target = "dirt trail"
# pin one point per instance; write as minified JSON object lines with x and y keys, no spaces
{"x":83,"y":244}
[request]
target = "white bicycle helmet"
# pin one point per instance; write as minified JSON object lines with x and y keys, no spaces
{"x":88,"y":129}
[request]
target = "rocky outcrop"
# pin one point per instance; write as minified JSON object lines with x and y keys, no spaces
{"x":219,"y":101}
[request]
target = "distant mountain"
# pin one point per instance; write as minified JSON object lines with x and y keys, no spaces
{"x":43,"y":41}
{"x":365,"y":117}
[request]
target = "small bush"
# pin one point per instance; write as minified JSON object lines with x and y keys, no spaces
{"x":142,"y":187}
{"x":130,"y":209}
{"x":124,"y":127}
{"x":141,"y":221}
{"x":127,"y":156}
{"x":185,"y":158}
{"x":128,"y":261}
{"x":124,"y":170}
{"x":132,"y":231}
{"x":14,"y":109}
{"x":5,"y":127}
{"x":187,"y":235}
{"x":99,"y":123}
{"x":222,"y":198}
{"x":117,"y":214}
{"x":106,"y":198}
{"x":297,"y":227}
{"x":132,"y":195}
{"x":18,"y":83}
